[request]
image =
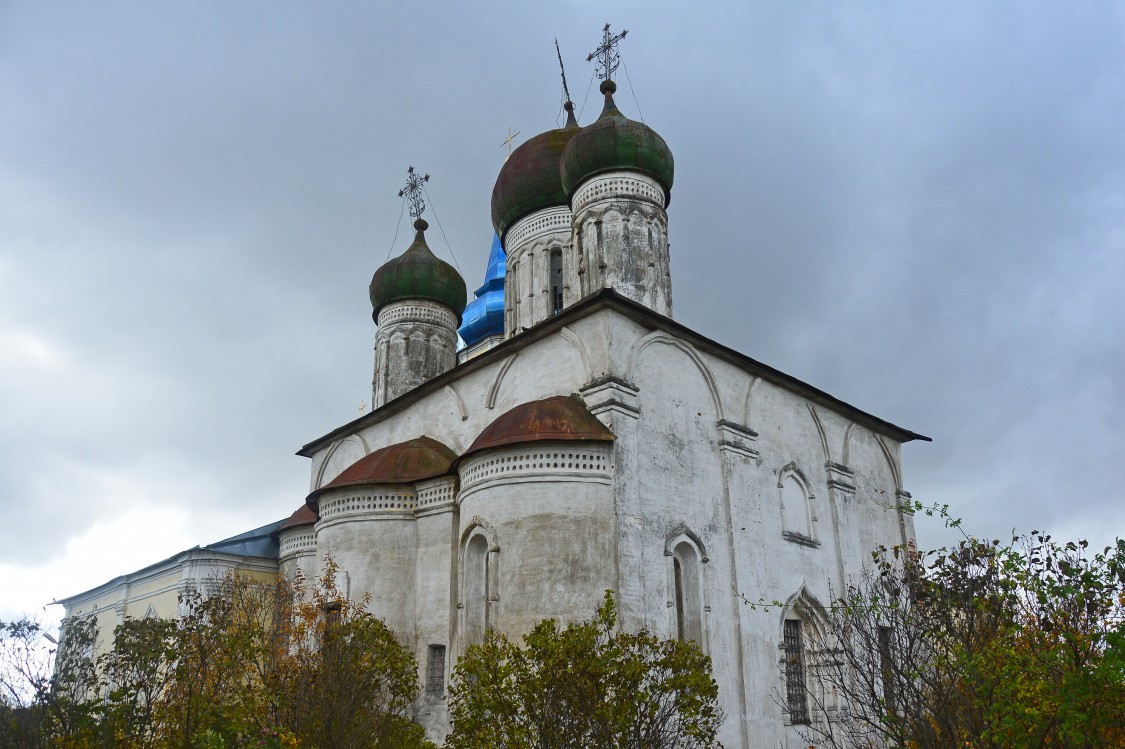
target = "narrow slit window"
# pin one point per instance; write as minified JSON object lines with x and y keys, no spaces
{"x":678,"y":572}
{"x":556,"y":282}
{"x":435,"y":670}
{"x":886,"y":668}
{"x":796,"y":698}
{"x":686,"y":593}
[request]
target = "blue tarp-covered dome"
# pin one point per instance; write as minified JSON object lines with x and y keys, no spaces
{"x":484,"y":316}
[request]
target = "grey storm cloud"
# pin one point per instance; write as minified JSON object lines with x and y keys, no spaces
{"x":917,"y":208}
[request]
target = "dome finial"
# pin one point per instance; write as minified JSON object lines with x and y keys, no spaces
{"x":607,"y":55}
{"x":413,"y":193}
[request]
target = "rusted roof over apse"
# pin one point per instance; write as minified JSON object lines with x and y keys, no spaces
{"x":414,"y":460}
{"x":303,"y":516}
{"x":560,"y":418}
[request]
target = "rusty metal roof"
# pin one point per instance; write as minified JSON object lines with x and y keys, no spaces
{"x":303,"y":516}
{"x":560,"y":418}
{"x":403,"y":463}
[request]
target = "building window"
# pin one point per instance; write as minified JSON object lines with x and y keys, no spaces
{"x":435,"y":670}
{"x":556,"y":282}
{"x":679,"y":575}
{"x":886,"y":668}
{"x":476,"y":589}
{"x":332,"y":611}
{"x":797,"y":517}
{"x":796,"y":696}
{"x":685,"y":582}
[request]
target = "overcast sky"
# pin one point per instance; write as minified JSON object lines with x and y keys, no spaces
{"x":917,"y":207}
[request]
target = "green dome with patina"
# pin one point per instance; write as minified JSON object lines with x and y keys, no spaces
{"x":418,"y":274}
{"x":615,"y":143}
{"x":530,"y":180}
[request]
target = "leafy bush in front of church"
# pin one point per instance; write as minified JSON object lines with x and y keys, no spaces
{"x":584,"y":685}
{"x":981,"y":644}
{"x":248,"y":665}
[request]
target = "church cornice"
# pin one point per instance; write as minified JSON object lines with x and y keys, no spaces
{"x":610,"y":299}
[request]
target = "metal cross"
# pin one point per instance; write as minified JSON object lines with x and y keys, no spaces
{"x":508,"y":141}
{"x":608,"y":57}
{"x":413,"y":192}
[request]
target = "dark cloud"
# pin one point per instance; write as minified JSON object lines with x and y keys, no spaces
{"x":918,"y":209}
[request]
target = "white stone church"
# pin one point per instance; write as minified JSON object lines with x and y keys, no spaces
{"x":581,"y":440}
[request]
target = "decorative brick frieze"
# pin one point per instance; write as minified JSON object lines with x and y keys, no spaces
{"x":437,"y":495}
{"x":368,"y":504}
{"x":418,"y":311}
{"x":541,"y":462}
{"x":297,"y":544}
{"x":539,"y":224}
{"x":616,"y":186}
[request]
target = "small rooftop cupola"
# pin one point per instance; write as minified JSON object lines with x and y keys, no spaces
{"x":618,"y":175}
{"x":532,"y":218}
{"x":417,"y":301}
{"x":483,"y":321}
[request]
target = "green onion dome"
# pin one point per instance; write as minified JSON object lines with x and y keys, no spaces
{"x":418,"y":274}
{"x":615,"y":143}
{"x":530,"y":179}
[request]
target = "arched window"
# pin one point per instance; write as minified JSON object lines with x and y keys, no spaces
{"x":796,"y":499}
{"x":802,"y":650}
{"x":793,"y":667}
{"x":556,"y":281}
{"x":685,"y":583}
{"x":475,"y":600}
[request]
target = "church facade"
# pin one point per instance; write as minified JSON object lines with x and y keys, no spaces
{"x":582,"y":440}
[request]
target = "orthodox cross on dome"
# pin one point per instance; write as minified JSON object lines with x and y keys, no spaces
{"x":508,"y":141}
{"x":608,"y":57}
{"x":413,"y":192}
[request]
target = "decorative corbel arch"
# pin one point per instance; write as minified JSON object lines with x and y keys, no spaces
{"x":845,"y":451}
{"x":569,"y":336}
{"x":891,"y":462}
{"x":458,"y":401}
{"x":354,"y":438}
{"x":659,"y":336}
{"x":490,"y":400}
{"x":748,"y":401}
{"x":820,"y":431}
